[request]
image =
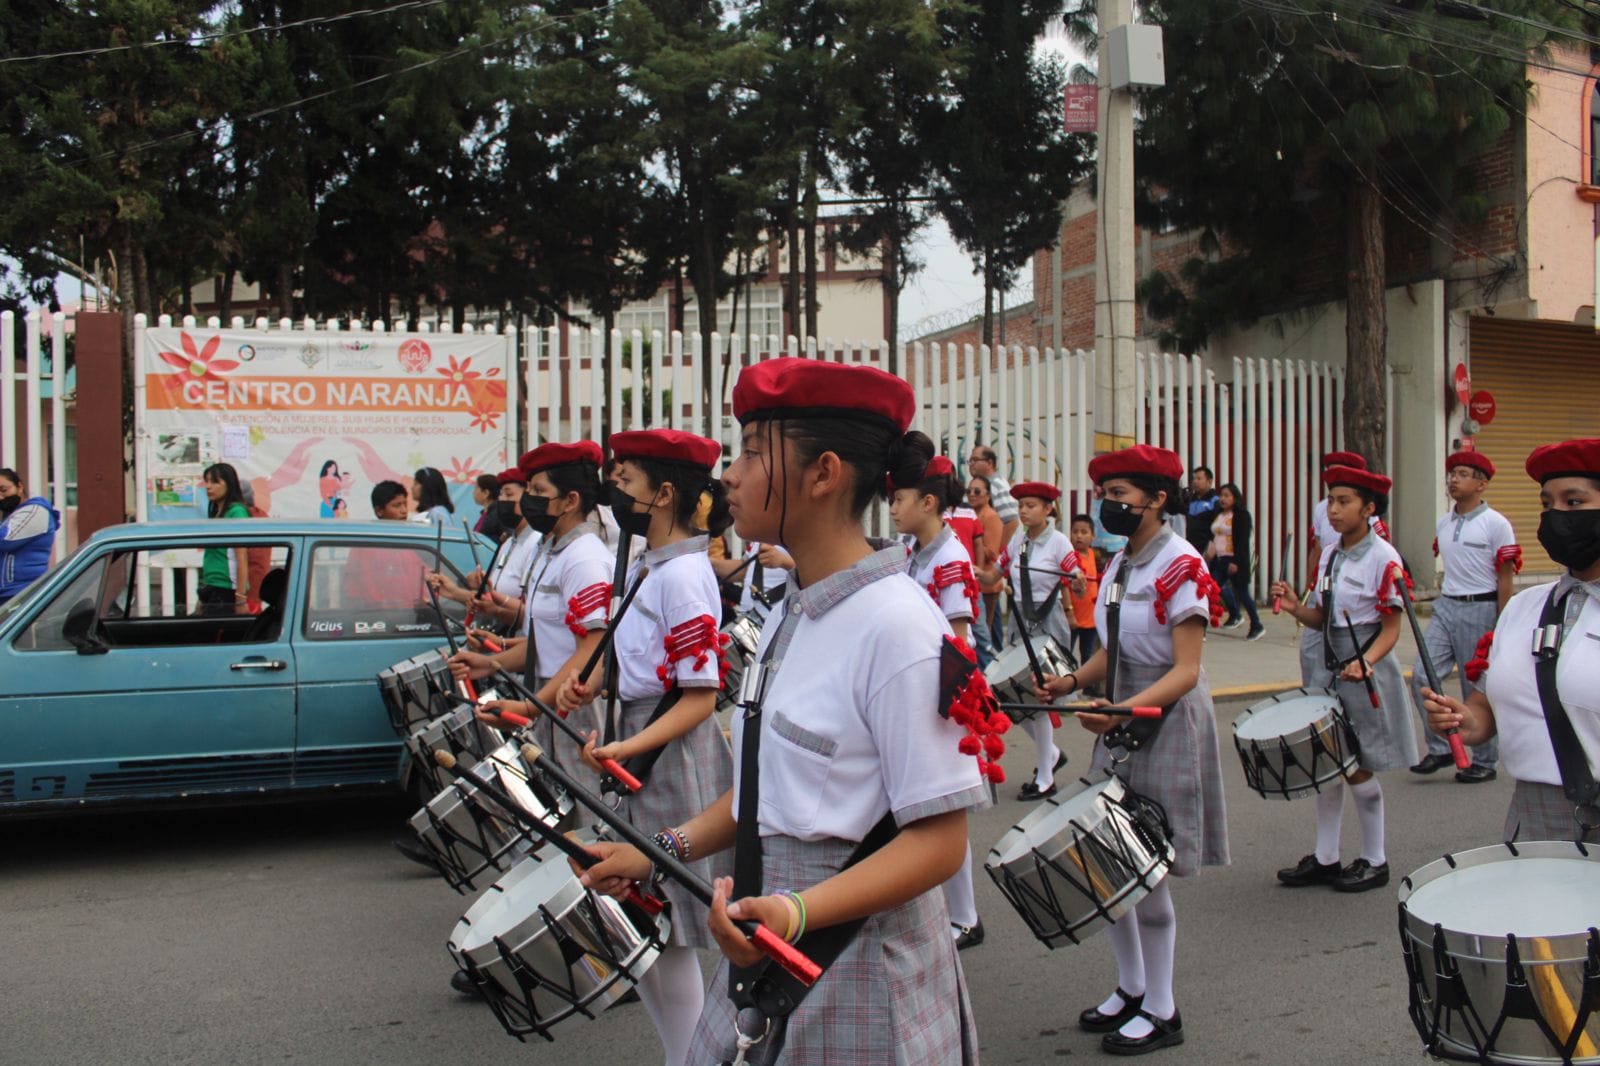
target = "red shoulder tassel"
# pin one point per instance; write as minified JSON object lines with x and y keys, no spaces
{"x":1480,"y":658}
{"x":1184,"y":569}
{"x":699,"y":639}
{"x":956,"y":573}
{"x":1511,"y":553}
{"x":586,"y":603}
{"x":1388,"y":587}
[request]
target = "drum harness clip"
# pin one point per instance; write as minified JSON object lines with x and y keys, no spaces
{"x":1577,"y":779}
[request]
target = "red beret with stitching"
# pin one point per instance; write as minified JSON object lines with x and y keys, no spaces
{"x":1477,"y":460}
{"x":1039,"y":490}
{"x":939,"y":466}
{"x":546,"y":456}
{"x":670,"y":445}
{"x":1140,"y":459}
{"x":1353,"y":478}
{"x":796,"y":388}
{"x":1570,"y":458}
{"x":512,"y":476}
{"x":1351,"y":459}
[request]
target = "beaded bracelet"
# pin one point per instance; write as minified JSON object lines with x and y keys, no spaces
{"x":668,"y":843}
{"x":683,"y":843}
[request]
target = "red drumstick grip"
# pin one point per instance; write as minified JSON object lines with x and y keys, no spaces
{"x":1277,"y":605}
{"x":612,"y":766}
{"x":784,"y":954}
{"x":494,"y":647}
{"x":1147,"y":712}
{"x":1458,"y":750}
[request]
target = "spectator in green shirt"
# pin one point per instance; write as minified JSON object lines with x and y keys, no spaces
{"x":224,"y":572}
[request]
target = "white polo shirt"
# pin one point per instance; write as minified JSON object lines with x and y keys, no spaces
{"x":851,"y":728}
{"x":510,"y":568}
{"x":670,"y":631}
{"x":1472,"y":546}
{"x":1050,"y":555}
{"x":771,"y":578}
{"x":944,"y":569}
{"x":1363,"y":581}
{"x":1513,"y":692}
{"x":1168,"y":583}
{"x":571,"y":589}
{"x":1323,"y":529}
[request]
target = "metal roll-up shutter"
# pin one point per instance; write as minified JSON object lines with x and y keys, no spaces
{"x":1545,"y":378}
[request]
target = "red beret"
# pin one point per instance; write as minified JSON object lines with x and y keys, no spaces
{"x":796,"y":388}
{"x":1039,"y":490}
{"x":513,"y":476}
{"x":1355,"y":478}
{"x":1477,"y":460}
{"x":546,"y":456}
{"x":1140,"y":459}
{"x":1351,"y":459}
{"x":939,"y":466}
{"x":1570,"y":458}
{"x":671,"y":445}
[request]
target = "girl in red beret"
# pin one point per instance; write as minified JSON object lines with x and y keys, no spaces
{"x":1356,"y":603}
{"x":1167,"y":599}
{"x":850,"y":798}
{"x":497,"y":603}
{"x":1549,"y":729}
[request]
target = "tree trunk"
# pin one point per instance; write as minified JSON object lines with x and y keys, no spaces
{"x":143,"y":296}
{"x":987,"y":336}
{"x":813,"y":303}
{"x":1366,"y":326}
{"x":793,"y":321}
{"x":225,"y":295}
{"x":285,"y":275}
{"x":891,"y":277}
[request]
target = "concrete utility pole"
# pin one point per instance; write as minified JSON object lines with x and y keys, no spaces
{"x":1114,"y":248}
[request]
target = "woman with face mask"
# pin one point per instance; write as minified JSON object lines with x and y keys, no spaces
{"x":28,"y":527}
{"x":1553,"y":765}
{"x":1167,"y":599}
{"x":499,"y":601}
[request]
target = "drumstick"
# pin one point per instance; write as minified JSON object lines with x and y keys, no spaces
{"x":1458,"y":750}
{"x":1366,"y":671}
{"x":467,"y":688}
{"x":771,"y":944}
{"x":1283,"y":569}
{"x":736,"y":570}
{"x":1082,"y":708}
{"x":569,"y":847}
{"x":472,"y":542}
{"x":611,"y":766}
{"x":1027,"y":645}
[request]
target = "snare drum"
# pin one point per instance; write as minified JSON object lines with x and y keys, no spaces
{"x":471,"y":834}
{"x":395,"y":700}
{"x":461,"y":734}
{"x":1011,"y":674}
{"x":1082,"y":858}
{"x":543,"y":949}
{"x":1295,"y":743}
{"x":744,"y":635}
{"x":1502,"y":953}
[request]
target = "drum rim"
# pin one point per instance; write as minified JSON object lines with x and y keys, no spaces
{"x":1053,"y":805}
{"x":1284,"y":697}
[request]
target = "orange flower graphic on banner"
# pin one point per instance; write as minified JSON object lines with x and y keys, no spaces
{"x":196,"y":364}
{"x":461,"y":372}
{"x":484,"y":418}
{"x":462,"y":471}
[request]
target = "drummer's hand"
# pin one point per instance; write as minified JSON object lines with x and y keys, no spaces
{"x":769,"y":910}
{"x":588,"y":755}
{"x":1355,"y":670}
{"x":774,"y":558}
{"x":1282,"y":590}
{"x":616,"y":751}
{"x":434,"y":580}
{"x":621,"y":866}
{"x":469,"y":664}
{"x":1078,"y":584}
{"x":489,"y":712}
{"x":475,"y":578}
{"x":1444,"y":713}
{"x":1054,"y":686}
{"x":573,"y":695}
{"x":1098,"y":724}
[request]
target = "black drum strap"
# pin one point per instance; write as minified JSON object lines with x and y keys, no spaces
{"x":1114,"y":624}
{"x":640,"y":766}
{"x":1577,"y":777}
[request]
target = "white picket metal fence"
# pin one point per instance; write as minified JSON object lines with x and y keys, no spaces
{"x":44,"y":469}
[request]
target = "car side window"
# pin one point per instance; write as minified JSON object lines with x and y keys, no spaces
{"x":67,"y":618}
{"x":374,"y":592}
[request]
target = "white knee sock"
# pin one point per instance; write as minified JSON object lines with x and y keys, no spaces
{"x":1124,"y":935}
{"x":1330,"y":813}
{"x":959,"y":896}
{"x":673,"y":992}
{"x":1158,"y":939}
{"x":1044,"y":742}
{"x":1369,"y":807}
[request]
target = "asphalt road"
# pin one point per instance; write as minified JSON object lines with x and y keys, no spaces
{"x":297,"y":934}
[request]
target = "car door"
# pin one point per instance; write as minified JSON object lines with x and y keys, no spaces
{"x":106,"y":699}
{"x":364,"y":609}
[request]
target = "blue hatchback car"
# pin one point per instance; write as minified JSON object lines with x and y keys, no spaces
{"x":116,"y":685}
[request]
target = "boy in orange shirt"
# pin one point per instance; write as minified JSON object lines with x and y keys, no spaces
{"x":1080,"y":609}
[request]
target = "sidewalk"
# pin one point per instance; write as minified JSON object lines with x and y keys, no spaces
{"x":1239,"y":669}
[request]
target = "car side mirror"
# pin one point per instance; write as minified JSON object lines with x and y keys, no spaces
{"x":78,"y":629}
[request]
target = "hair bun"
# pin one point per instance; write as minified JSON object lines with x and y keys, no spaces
{"x":908,"y":458}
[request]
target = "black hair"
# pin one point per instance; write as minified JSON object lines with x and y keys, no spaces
{"x":1087,"y":520}
{"x":689,"y":481}
{"x":871,"y":447}
{"x":490,"y":484}
{"x":1379,"y":500}
{"x":11,"y":476}
{"x":1206,"y":470}
{"x":384,"y":492}
{"x":434,"y":491}
{"x":581,"y":477}
{"x":1238,"y":497}
{"x":1150,"y":484}
{"x":225,"y":473}
{"x":330,"y":466}
{"x":946,"y":489}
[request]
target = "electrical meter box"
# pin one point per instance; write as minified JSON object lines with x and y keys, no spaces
{"x":1135,"y":57}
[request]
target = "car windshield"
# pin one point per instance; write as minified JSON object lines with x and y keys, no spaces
{"x":21,"y":599}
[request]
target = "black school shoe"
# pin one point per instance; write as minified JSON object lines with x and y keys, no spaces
{"x":970,"y":936}
{"x":1432,"y":763}
{"x":1092,"y":1021}
{"x":462,"y":982}
{"x":1308,"y":871}
{"x":1361,"y":876}
{"x":1031,"y":791}
{"x":1476,"y":774}
{"x":1168,"y":1032}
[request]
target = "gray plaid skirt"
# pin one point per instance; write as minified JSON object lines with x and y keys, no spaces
{"x":1311,"y":663}
{"x":561,"y":749}
{"x":1180,"y":769}
{"x":1540,"y":812}
{"x":1388,"y":739}
{"x":692,"y":773}
{"x":895,"y":995}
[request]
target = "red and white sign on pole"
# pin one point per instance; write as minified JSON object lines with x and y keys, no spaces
{"x":1082,"y":108}
{"x":1482,"y":407}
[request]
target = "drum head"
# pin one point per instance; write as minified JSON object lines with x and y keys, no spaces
{"x":1285,"y":714}
{"x":1079,"y":804}
{"x":1491,"y":892}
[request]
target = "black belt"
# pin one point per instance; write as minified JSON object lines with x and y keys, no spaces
{"x":1476,"y":597}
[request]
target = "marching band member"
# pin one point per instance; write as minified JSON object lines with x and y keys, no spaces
{"x":1355,"y":603}
{"x":1039,"y":560}
{"x":502,"y":600}
{"x":668,"y":659}
{"x":941,"y":564}
{"x":1549,"y":727}
{"x":1480,"y":554}
{"x":1322,"y":535}
{"x":842,"y":744}
{"x":1167,"y":599}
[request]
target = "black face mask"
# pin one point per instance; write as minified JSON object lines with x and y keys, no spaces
{"x":632,"y":522}
{"x":9,"y":504}
{"x":536,"y":511}
{"x":1119,"y":518}
{"x":1572,"y":538}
